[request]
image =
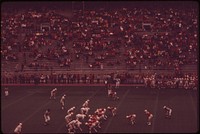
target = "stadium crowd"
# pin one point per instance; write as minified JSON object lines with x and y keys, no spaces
{"x":152,"y":80}
{"x":133,"y":37}
{"x":98,"y":38}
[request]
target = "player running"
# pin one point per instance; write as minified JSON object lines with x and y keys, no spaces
{"x":149,"y":117}
{"x":132,"y":118}
{"x":53,"y":93}
{"x":168,"y":112}
{"x":47,"y":117}
{"x":18,"y":129}
{"x":62,"y":101}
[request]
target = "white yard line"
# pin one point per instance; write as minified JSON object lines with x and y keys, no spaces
{"x":16,"y":101}
{"x":155,"y":112}
{"x":40,"y":108}
{"x":194,"y":107}
{"x":110,"y":121}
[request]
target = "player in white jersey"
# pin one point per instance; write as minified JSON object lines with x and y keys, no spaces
{"x":132,"y":118}
{"x":78,"y":125}
{"x":47,"y":117}
{"x":53,"y":93}
{"x":70,"y":110}
{"x":84,"y":110}
{"x":18,"y":129}
{"x":62,"y":101}
{"x":71,"y":126}
{"x":86,"y":103}
{"x":80,"y":116}
{"x":168,"y":112}
{"x":68,"y":117}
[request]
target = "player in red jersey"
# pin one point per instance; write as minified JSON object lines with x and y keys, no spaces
{"x":168,"y":112}
{"x":113,"y":110}
{"x":92,"y":124}
{"x":100,"y":112}
{"x":149,"y":117}
{"x":132,"y":118}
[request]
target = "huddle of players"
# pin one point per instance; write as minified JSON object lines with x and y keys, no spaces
{"x":93,"y":121}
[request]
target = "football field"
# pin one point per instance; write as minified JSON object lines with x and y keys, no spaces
{"x":27,"y":104}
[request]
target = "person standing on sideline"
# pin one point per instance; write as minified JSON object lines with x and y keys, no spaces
{"x":117,"y":83}
{"x":6,"y":91}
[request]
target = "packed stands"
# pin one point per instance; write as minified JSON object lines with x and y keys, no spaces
{"x":37,"y":46}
